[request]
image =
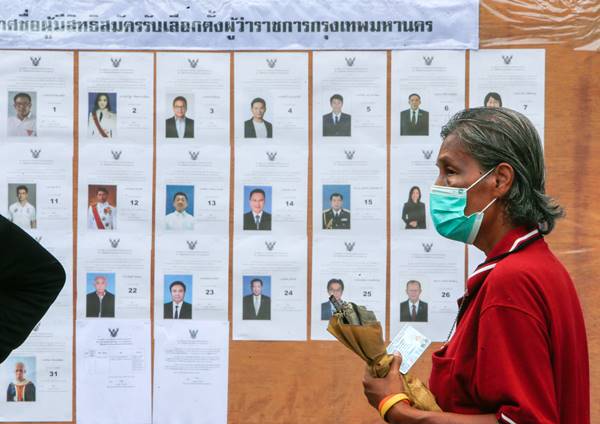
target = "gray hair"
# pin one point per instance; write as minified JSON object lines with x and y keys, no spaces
{"x":496,"y":135}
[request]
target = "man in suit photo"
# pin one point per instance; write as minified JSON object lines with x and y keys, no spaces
{"x":256,"y":305}
{"x":177,"y":308}
{"x":21,"y":389}
{"x":336,"y":217}
{"x":336,"y":123}
{"x":335,"y":287}
{"x":257,"y":127}
{"x":413,"y":309}
{"x":179,"y":125}
{"x":100,"y":303}
{"x":414,"y":121}
{"x":257,"y":218}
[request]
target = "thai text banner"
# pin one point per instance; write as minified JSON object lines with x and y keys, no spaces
{"x":241,"y":24}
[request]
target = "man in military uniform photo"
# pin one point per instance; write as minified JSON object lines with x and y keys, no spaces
{"x":336,"y":217}
{"x":102,"y":215}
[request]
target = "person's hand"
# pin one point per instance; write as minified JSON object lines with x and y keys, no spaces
{"x":413,"y":224}
{"x":378,"y":388}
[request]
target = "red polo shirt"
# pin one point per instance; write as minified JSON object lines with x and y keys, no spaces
{"x":520,"y":349}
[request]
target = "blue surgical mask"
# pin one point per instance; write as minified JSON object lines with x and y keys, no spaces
{"x":447,"y":207}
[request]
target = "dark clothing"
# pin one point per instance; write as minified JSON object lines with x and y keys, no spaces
{"x":406,"y":313}
{"x":30,"y":281}
{"x":171,"y":128}
{"x":264,"y":311}
{"x":326,"y":310}
{"x":408,"y":128}
{"x":184,"y":313}
{"x":342,"y":129}
{"x":250,"y":224}
{"x":92,"y":305}
{"x":29,"y":395}
{"x":250,"y":132}
{"x":341,"y":222}
{"x":414,"y":212}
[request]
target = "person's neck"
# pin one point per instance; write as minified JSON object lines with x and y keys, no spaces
{"x":258,"y":120}
{"x":22,"y":202}
{"x":499,"y":226}
{"x":22,"y":117}
{"x":101,"y":294}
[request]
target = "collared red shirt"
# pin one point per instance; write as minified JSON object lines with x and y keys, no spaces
{"x":520,"y":349}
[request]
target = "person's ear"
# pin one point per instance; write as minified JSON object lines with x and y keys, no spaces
{"x":503,"y":178}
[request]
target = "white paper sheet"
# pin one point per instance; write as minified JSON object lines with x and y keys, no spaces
{"x":46,"y":78}
{"x":360,"y":263}
{"x":279,"y":262}
{"x":203,"y":82}
{"x":113,"y":372}
{"x":190,"y":372}
{"x":127,"y":81}
{"x":438,"y":79}
{"x":356,"y":176}
{"x":281,"y":173}
{"x":517,"y":75}
{"x":200,"y":263}
{"x":281,"y":80}
{"x":120,"y":266}
{"x":360,"y":79}
{"x":436,"y":266}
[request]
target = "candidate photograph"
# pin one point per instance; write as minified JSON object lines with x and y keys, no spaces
{"x":100,"y":298}
{"x":21,"y":387}
{"x":256,"y":303}
{"x":102,"y":207}
{"x":414,"y":120}
{"x":102,"y":116}
{"x":337,"y":123}
{"x":179,"y":125}
{"x":492,"y":99}
{"x":336,"y":210}
{"x":21,"y":209}
{"x":413,"y":308}
{"x":257,"y":126}
{"x":179,"y":208}
{"x":257,"y":204}
{"x":413,"y":211}
{"x":178,"y":297}
{"x":335,"y":288}
{"x":21,"y":119}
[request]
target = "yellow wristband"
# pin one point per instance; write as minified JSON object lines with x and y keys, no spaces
{"x":391,"y":402}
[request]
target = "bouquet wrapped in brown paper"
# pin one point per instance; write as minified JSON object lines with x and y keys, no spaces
{"x":358,"y":329}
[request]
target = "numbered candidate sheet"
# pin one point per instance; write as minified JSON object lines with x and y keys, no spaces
{"x":352,"y":269}
{"x":36,"y":98}
{"x":349,"y":192}
{"x":192,"y":100}
{"x":270,"y":190}
{"x":113,"y":276}
{"x":349,"y":97}
{"x":43,"y":363}
{"x":113,"y":372}
{"x":36,"y":187}
{"x":192,"y":190}
{"x":511,"y":78}
{"x":271,"y":98}
{"x":190,"y":372}
{"x":269,"y":288}
{"x":116,"y":97}
{"x":427,"y":278}
{"x":190,"y":277}
{"x":428,"y":87}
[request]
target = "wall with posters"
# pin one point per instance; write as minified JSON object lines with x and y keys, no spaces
{"x":178,"y":205}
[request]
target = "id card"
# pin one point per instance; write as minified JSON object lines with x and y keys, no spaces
{"x":411,"y":344}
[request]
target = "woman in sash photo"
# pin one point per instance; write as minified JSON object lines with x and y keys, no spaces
{"x":102,"y":121}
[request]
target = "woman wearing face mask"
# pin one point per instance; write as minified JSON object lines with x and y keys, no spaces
{"x":413,"y":211}
{"x":102,"y":121}
{"x":518,"y":350}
